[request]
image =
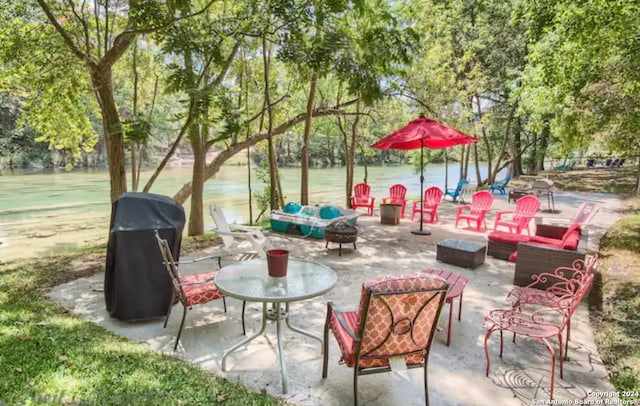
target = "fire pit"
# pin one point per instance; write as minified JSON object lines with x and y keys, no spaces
{"x":341,"y":232}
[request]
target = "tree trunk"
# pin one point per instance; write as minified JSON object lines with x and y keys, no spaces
{"x":476,"y":161}
{"x":273,"y":164}
{"x":196,"y":216}
{"x":541,"y":151}
{"x":304,"y":178}
{"x":113,"y":135}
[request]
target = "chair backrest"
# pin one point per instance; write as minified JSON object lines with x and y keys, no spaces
{"x":432,"y":196}
{"x":221,"y":224}
{"x":481,"y":201}
{"x":466,"y":193}
{"x":568,"y":286}
{"x":502,"y":183}
{"x":585,"y":213}
{"x":461,"y":183}
{"x":361,"y":191}
{"x":397,"y":316}
{"x":170,"y":265}
{"x":398,"y":191}
{"x":526,"y":207}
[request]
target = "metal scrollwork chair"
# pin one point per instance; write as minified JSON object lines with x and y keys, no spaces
{"x":552,"y":307}
{"x":190,"y":290}
{"x":396,"y":319}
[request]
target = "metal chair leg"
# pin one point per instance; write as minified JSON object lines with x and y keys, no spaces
{"x":184,"y":315}
{"x":325,"y":344}
{"x":244,"y":305}
{"x":171,"y":303}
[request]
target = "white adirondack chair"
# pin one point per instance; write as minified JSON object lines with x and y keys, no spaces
{"x":239,"y":239}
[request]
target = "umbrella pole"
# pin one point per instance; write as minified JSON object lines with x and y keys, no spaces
{"x":420,"y":231}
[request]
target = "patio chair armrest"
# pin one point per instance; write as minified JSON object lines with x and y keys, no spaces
{"x":181,"y":284}
{"x":237,"y":234}
{"x":501,"y":213}
{"x":331,"y":308}
{"x":191,"y":261}
{"x":246,"y":228}
{"x":460,"y":208}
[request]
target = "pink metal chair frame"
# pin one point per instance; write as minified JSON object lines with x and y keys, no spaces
{"x":398,"y":316}
{"x":559,"y":302}
{"x":526,"y":208}
{"x":480,"y":204}
{"x":431,"y":201}
{"x":361,"y":197}
{"x":397,"y":195}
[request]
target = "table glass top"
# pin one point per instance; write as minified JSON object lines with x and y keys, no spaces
{"x":249,"y":280}
{"x":462,"y":245}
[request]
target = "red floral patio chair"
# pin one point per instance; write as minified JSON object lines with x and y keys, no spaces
{"x":431,"y":201}
{"x":397,"y":195}
{"x":554,"y":307}
{"x":190,"y":290}
{"x":480,"y":204}
{"x":361,"y":197}
{"x":397,"y":317}
{"x":526,"y":208}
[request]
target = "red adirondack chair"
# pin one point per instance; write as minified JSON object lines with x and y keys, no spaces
{"x":361,"y":197}
{"x":480,"y":204}
{"x":431,"y":201}
{"x":397,"y":195}
{"x":526,"y":208}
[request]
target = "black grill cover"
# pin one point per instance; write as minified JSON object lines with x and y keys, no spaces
{"x":136,"y":283}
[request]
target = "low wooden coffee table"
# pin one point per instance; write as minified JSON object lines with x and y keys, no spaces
{"x":457,"y":283}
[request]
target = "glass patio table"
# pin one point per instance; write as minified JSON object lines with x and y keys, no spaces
{"x":250,"y":281}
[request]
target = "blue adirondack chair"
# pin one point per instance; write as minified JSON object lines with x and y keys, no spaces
{"x":500,"y":185}
{"x":454,"y":193}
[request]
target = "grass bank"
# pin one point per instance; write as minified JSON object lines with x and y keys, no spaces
{"x":48,"y":356}
{"x":617,"y":320}
{"x":617,"y":325}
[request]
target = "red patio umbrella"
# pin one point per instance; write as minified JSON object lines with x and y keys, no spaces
{"x":423,"y":133}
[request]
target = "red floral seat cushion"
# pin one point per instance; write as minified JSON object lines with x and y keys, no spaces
{"x":398,"y":323}
{"x":197,"y":290}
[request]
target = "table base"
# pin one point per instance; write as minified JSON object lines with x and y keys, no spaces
{"x":275,"y":313}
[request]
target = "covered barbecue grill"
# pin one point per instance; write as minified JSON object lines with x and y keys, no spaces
{"x":136,"y":283}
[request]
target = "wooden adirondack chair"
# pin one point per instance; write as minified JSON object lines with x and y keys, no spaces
{"x":454,"y":193}
{"x":480,"y":204}
{"x":361,"y":197}
{"x":397,"y":319}
{"x":500,"y":185}
{"x":526,"y":209}
{"x":397,"y":195}
{"x":431,"y":201}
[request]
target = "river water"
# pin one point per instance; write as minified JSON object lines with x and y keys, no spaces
{"x":41,"y":213}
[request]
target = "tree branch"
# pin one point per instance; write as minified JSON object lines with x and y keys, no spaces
{"x":65,"y":35}
{"x":213,"y":167}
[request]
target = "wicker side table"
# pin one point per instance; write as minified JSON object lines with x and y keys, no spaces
{"x":461,"y":253}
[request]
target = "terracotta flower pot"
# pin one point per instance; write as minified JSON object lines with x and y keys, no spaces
{"x":277,"y":261}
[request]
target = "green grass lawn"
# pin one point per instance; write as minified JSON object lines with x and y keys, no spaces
{"x":617,"y":326}
{"x":48,"y":356}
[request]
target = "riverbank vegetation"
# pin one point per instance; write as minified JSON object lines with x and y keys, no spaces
{"x":122,"y":83}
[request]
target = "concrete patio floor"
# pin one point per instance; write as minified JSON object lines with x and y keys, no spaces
{"x":456,"y":373}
